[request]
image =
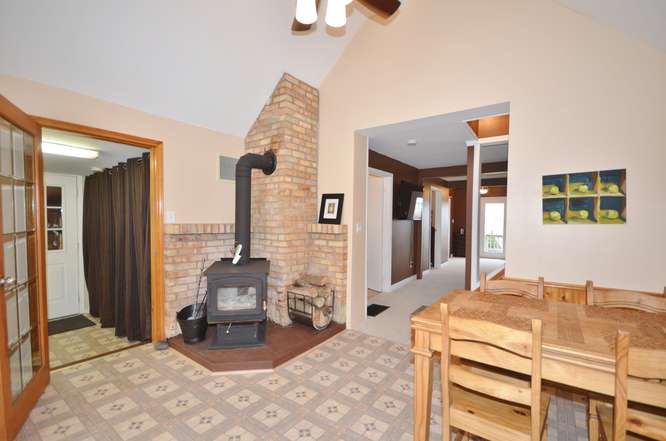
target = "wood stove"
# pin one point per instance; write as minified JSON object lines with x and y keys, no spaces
{"x":237,"y":296}
{"x":238,"y":287}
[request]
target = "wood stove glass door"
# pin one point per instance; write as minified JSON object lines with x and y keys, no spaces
{"x":236,"y":298}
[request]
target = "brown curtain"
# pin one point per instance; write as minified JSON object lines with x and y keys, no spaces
{"x":116,"y":247}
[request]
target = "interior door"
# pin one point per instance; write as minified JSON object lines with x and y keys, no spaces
{"x":23,"y":331}
{"x":62,"y":250}
{"x":445,"y":229}
{"x":375,"y":253}
{"x":492,"y":227}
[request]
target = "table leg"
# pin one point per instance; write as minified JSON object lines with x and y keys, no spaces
{"x":422,"y":385}
{"x":593,"y":420}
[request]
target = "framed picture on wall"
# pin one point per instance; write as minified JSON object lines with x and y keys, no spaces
{"x":330,"y":211}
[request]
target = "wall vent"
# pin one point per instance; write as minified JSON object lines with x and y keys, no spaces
{"x":227,"y":168}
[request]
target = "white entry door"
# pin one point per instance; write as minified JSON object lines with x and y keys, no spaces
{"x":62,"y":240}
{"x":493,"y":226}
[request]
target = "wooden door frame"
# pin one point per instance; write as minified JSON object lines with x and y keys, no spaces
{"x":156,"y":149}
{"x":28,"y":398}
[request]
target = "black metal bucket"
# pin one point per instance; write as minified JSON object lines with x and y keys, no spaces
{"x":194,"y":330}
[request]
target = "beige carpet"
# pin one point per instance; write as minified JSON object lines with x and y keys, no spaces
{"x":353,"y":387}
{"x":83,"y":343}
{"x":393,"y":324}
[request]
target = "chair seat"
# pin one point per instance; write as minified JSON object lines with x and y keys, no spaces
{"x":490,"y":418}
{"x":638,"y":422}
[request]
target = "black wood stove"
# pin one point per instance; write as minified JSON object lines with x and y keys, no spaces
{"x":238,"y":287}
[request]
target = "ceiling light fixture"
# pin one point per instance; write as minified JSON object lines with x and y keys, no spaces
{"x":411,"y":142}
{"x":306,"y":11}
{"x":54,"y":148}
{"x":484,"y":190}
{"x":336,"y":13}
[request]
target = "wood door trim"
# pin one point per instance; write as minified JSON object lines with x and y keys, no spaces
{"x":468,"y":220}
{"x":30,"y":395}
{"x":156,"y":208}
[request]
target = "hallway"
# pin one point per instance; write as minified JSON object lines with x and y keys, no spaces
{"x":393,"y":324}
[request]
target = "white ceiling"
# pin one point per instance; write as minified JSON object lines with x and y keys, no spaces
{"x":642,"y":19}
{"x":211,"y":63}
{"x":110,"y":153}
{"x":441,"y":140}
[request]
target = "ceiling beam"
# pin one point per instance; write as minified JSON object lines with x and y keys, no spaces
{"x":461,"y":170}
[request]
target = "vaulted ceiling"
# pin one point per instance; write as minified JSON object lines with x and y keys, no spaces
{"x":211,"y":63}
{"x":642,"y":19}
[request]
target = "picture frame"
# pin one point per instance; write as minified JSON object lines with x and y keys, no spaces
{"x":330,"y":211}
{"x":594,"y":197}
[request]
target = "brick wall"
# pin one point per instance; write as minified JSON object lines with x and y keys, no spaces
{"x":185,"y":245}
{"x":284,"y":203}
{"x":327,"y":255}
{"x":284,"y":208}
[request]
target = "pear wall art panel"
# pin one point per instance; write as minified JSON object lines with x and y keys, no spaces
{"x":598,"y":197}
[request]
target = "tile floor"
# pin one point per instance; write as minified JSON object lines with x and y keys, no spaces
{"x":83,"y":343}
{"x":353,"y":387}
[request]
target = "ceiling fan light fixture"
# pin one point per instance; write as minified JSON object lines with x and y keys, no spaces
{"x":306,"y":11}
{"x":336,"y":13}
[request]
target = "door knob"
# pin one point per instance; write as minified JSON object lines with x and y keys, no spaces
{"x":6,"y":281}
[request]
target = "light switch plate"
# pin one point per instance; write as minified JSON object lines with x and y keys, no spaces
{"x":170,"y":217}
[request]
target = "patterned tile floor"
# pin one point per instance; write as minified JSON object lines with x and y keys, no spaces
{"x":353,"y":387}
{"x":83,"y":343}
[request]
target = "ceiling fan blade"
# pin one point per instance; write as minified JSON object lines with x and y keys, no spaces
{"x":297,"y":26}
{"x":385,"y":8}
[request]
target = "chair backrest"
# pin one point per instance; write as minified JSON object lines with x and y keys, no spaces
{"x":615,"y":298}
{"x":647,"y":366}
{"x":512,"y":287}
{"x":496,"y":346}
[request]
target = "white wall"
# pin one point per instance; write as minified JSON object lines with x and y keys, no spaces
{"x":583,"y":97}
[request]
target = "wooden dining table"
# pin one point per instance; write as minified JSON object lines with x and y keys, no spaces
{"x":578,"y":343}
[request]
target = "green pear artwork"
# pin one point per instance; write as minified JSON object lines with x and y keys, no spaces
{"x":598,"y":197}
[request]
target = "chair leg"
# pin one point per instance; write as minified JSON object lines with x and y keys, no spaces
{"x":462,"y":436}
{"x":593,"y":420}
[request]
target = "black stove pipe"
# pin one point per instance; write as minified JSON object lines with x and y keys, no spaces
{"x":267,"y":163}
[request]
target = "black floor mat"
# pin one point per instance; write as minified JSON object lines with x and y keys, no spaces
{"x":69,"y":324}
{"x":374,"y":310}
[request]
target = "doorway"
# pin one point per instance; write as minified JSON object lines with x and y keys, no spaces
{"x":24,"y":360}
{"x":97,"y":234}
{"x":62,"y":245}
{"x":492,"y":228}
{"x":379,"y":218}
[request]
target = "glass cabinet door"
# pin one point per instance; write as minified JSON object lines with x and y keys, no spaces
{"x":23,"y":337}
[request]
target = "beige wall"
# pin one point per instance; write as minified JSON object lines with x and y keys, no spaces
{"x":583,"y":97}
{"x":191,"y":188}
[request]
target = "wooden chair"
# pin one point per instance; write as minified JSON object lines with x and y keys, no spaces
{"x":619,"y":422}
{"x":479,"y":399}
{"x":615,"y":298}
{"x":512,"y":287}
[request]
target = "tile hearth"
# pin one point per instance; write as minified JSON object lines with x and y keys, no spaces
{"x":353,"y":387}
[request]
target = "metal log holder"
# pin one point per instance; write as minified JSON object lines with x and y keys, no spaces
{"x":311,"y":305}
